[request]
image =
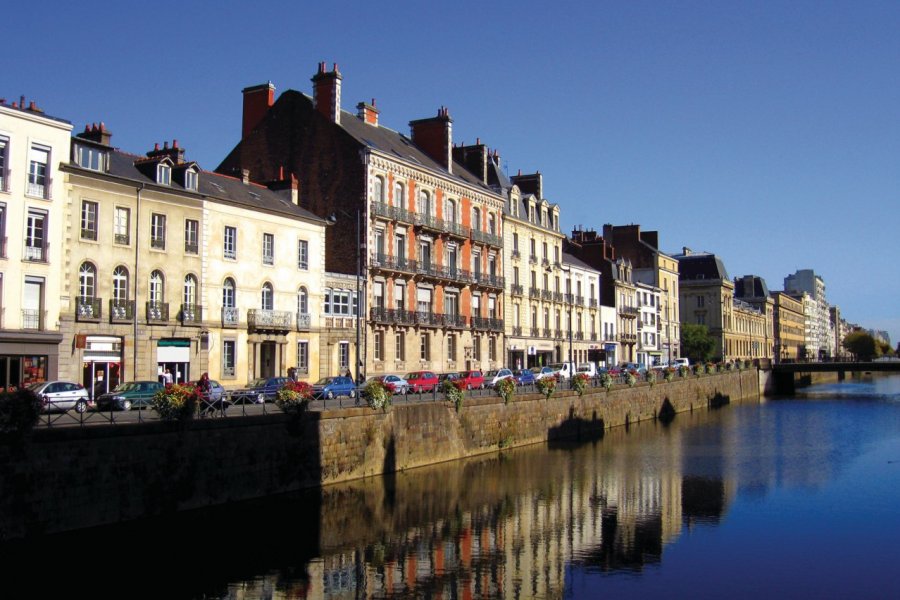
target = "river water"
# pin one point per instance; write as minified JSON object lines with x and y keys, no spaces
{"x":787,"y":498}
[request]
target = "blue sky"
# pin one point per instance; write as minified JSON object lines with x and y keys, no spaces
{"x":766,"y":132}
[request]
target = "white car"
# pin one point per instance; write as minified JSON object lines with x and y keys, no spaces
{"x":60,"y":396}
{"x":681,"y":362}
{"x":492,"y":377}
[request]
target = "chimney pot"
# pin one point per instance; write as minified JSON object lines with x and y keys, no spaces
{"x":31,"y":105}
{"x":22,"y":101}
{"x":156,"y":146}
{"x":165,"y":144}
{"x":174,"y":143}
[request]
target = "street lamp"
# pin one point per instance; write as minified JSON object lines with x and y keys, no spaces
{"x":360,"y":309}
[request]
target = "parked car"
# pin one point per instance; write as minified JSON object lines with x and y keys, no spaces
{"x":492,"y":377}
{"x":630,"y":366}
{"x":216,"y":391}
{"x":331,"y":387}
{"x":421,"y":381}
{"x":474,"y":380}
{"x":60,"y":396}
{"x":563,"y":370}
{"x":401,"y":386}
{"x":541,"y":372}
{"x":681,"y":362}
{"x":589,"y":369}
{"x":128,"y":395}
{"x":259,"y":390}
{"x":525,"y":376}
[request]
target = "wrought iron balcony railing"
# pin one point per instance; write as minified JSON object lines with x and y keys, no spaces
{"x":121,"y":311}
{"x":88,"y":309}
{"x":270,"y":320}
{"x":231,"y":316}
{"x":191,"y":314}
{"x":157,"y":312}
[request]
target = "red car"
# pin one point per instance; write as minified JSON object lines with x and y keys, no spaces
{"x":421,"y":381}
{"x":474,"y":380}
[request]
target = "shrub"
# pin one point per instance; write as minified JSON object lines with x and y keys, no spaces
{"x":606,"y":381}
{"x":669,"y":373}
{"x":651,"y":377}
{"x":378,"y":394}
{"x":631,"y":376}
{"x":684,"y":370}
{"x":580,"y":382}
{"x":294,"y":397}
{"x":455,"y":391}
{"x":547,"y":385}
{"x":176,"y":401}
{"x":711,"y":367}
{"x":506,"y":388}
{"x":19,"y":410}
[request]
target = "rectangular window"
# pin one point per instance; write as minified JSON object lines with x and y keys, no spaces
{"x":4,"y":164}
{"x":190,"y":180}
{"x":88,"y":157}
{"x":344,"y":355}
{"x":163,"y":174}
{"x":228,"y":359}
{"x":2,"y":232}
{"x":515,"y":275}
{"x":121,"y":225}
{"x":32,"y":303}
{"x":476,"y":347}
{"x":38,"y":174}
{"x":492,"y":348}
{"x":701,"y":301}
{"x":515,"y":242}
{"x":424,"y":347}
{"x":399,"y":296}
{"x":400,"y":346}
{"x":303,"y":255}
{"x":229,"y":245}
{"x":158,"y":231}
{"x":303,"y":357}
{"x":89,"y":220}
{"x":36,"y":236}
{"x":191,"y":236}
{"x":268,"y":249}
{"x":400,"y":247}
{"x":379,"y":346}
{"x":451,"y":348}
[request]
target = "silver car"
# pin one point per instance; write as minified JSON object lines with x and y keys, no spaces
{"x":60,"y":396}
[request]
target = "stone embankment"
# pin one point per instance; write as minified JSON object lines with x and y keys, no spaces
{"x":70,"y":478}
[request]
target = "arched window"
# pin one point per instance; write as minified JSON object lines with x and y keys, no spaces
{"x":302,"y":301}
{"x":190,"y":290}
{"x":228,"y":293}
{"x":378,"y":190}
{"x":476,"y":219}
{"x":450,"y":211}
{"x":399,"y":195}
{"x":87,"y":281}
{"x":268,"y":297}
{"x":424,"y":204}
{"x":120,"y":285}
{"x":491,"y":226}
{"x":157,"y":287}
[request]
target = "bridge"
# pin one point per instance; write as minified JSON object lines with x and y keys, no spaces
{"x":785,"y":374}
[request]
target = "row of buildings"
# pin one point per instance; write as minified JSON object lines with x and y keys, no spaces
{"x":326,"y":242}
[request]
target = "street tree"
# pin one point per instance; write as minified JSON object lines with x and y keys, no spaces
{"x":696,"y":343}
{"x":862,"y":345}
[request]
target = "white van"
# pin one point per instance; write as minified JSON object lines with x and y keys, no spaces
{"x":588,"y":368}
{"x":563,"y":370}
{"x":681,"y":362}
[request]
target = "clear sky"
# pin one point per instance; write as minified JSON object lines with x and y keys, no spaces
{"x":766,"y":132}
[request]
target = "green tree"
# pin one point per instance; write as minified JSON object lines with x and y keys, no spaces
{"x":696,"y":343}
{"x":884,"y":349}
{"x":862,"y":345}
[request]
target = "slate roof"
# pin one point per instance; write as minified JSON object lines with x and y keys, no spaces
{"x":700,"y":266}
{"x":569,"y":259}
{"x":213,"y":185}
{"x":756,"y":289}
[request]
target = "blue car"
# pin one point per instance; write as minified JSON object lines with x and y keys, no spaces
{"x":329,"y":387}
{"x":525,"y":377}
{"x":259,"y":390}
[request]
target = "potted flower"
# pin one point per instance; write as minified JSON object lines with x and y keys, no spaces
{"x":20,"y":410}
{"x":454,"y":390}
{"x":176,"y":401}
{"x":294,"y":397}
{"x":378,"y":394}
{"x":631,"y":376}
{"x":506,"y":388}
{"x":546,"y":385}
{"x":651,"y":377}
{"x":580,"y":382}
{"x":683,"y":370}
{"x":606,"y":381}
{"x":669,"y":374}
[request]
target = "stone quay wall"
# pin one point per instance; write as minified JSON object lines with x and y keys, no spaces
{"x":69,"y":478}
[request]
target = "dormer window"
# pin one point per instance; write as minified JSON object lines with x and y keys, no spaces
{"x":163,"y":174}
{"x":89,"y":157}
{"x":191,"y":180}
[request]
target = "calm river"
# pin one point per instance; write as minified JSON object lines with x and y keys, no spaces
{"x":789,"y":498}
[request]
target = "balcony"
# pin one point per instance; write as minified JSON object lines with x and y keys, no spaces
{"x":534,"y":292}
{"x":456,"y":230}
{"x":560,"y":334}
{"x":629,"y":311}
{"x":486,"y":238}
{"x":516,"y":289}
{"x":89,"y":234}
{"x":488,"y":280}
{"x":269,"y":320}
{"x":535,"y":332}
{"x":428,"y":222}
{"x":546,"y":295}
{"x":454,"y":321}
{"x":517,"y":330}
{"x":548,"y":333}
{"x":532,"y":259}
{"x":157,"y":312}
{"x":545,"y":262}
{"x":191,"y":248}
{"x":593,"y":336}
{"x":516,"y":254}
{"x":88,"y":309}
{"x":428,"y":319}
{"x":191,"y":315}
{"x":121,"y":238}
{"x":158,"y":243}
{"x":121,"y":311}
{"x":36,"y":253}
{"x":558,"y":297}
{"x":579,"y":300}
{"x":489,"y":324}
{"x":304,"y":321}
{"x":390,"y":263}
{"x":392,"y":316}
{"x":32,"y":319}
{"x":579,"y":335}
{"x":231,"y":316}
{"x":592,"y":303}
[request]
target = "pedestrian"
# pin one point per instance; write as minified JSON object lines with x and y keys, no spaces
{"x":167,"y":376}
{"x":208,"y":405}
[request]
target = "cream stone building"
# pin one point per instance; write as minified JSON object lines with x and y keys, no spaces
{"x":168,"y":267}
{"x":32,"y":226}
{"x":789,"y":326}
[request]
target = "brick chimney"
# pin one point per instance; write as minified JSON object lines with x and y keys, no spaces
{"x":96,"y":133}
{"x":434,"y":137}
{"x":532,"y":183}
{"x":286,"y":187}
{"x":327,"y":92}
{"x":258,"y":99}
{"x":474,"y":158}
{"x":175,"y":152}
{"x":367,"y":112}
